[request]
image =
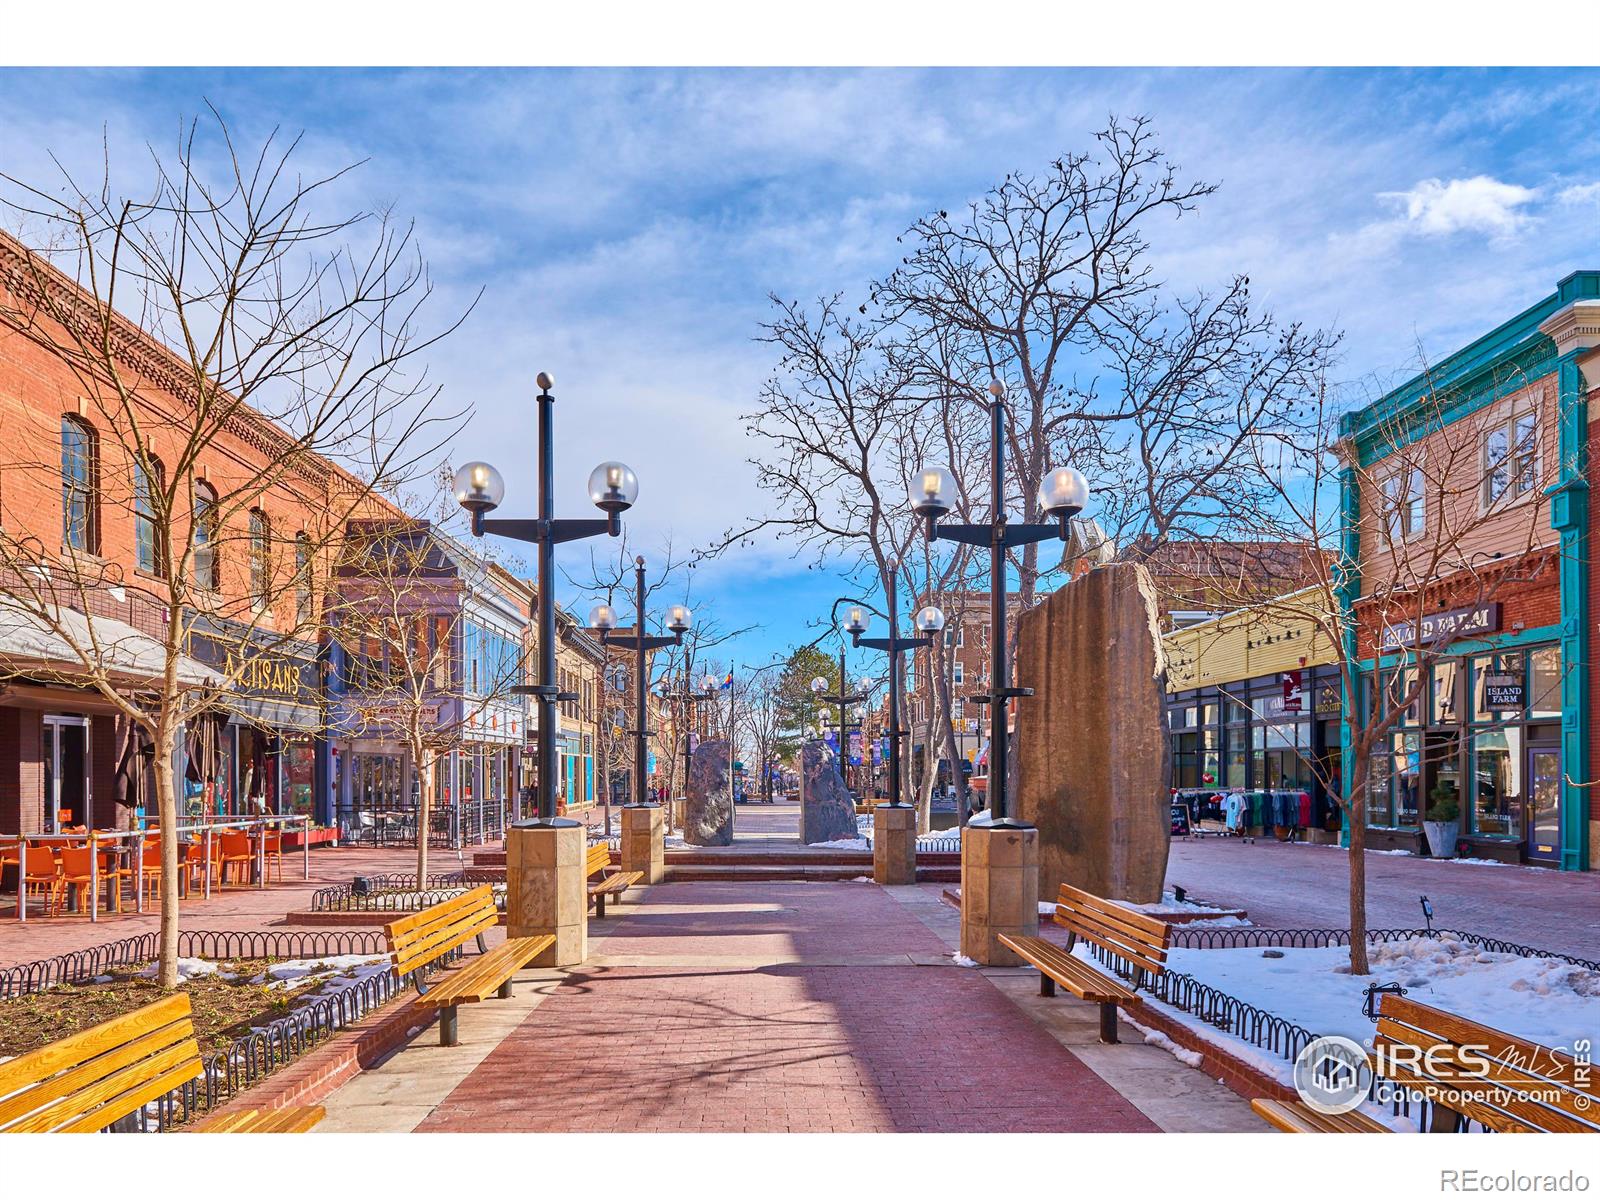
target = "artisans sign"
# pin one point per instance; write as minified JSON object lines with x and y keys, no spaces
{"x":256,"y":671}
{"x":1442,"y":627}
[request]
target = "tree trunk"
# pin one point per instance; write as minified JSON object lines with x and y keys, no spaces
{"x":167,"y":810}
{"x":1356,"y":808}
{"x":424,"y":814}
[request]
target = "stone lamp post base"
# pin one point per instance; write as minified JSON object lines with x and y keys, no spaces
{"x":894,"y":844}
{"x":644,"y":842}
{"x":546,"y":891}
{"x":999,"y":891}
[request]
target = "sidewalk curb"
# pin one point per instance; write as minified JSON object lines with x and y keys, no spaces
{"x":1238,"y":1076}
{"x":358,"y":1047}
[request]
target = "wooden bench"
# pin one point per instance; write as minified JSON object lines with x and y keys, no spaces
{"x":103,"y":1078}
{"x":1466,"y":1071}
{"x":614,"y":884}
{"x":422,"y":939}
{"x":1135,"y":936}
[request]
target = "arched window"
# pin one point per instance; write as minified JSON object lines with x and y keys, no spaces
{"x":260,"y":558}
{"x":204,"y":535}
{"x":148,"y":542}
{"x":302,"y":578}
{"x":79,"y":518}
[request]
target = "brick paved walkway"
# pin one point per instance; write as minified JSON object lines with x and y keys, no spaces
{"x":1294,"y":886}
{"x":760,"y":1007}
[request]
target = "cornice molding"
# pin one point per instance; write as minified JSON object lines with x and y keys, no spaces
{"x":1575,"y":327}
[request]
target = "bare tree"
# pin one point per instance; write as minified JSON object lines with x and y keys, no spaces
{"x":240,"y":357}
{"x":414,"y":672}
{"x":1440,"y":537}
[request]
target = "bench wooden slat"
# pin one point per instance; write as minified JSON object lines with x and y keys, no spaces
{"x":1293,"y":1117}
{"x":599,"y":858}
{"x":417,"y":955}
{"x":434,"y":914}
{"x":1448,"y":1064}
{"x":1072,"y":973}
{"x":1506,"y":1107}
{"x":1543,"y":1061}
{"x":1129,"y":934}
{"x":616,"y":884}
{"x":95,"y":1078}
{"x":269,"y":1120}
{"x":1107,"y":925}
{"x":422,"y":938}
{"x":1159,"y":932}
{"x":483,"y":975}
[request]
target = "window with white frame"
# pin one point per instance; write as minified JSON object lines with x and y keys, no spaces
{"x":959,"y":672}
{"x":1511,"y":458}
{"x":1405,"y":513}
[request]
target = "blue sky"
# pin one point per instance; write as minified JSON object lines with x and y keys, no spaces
{"x":626,"y":226}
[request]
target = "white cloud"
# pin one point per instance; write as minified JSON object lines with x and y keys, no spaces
{"x":1580,"y":193}
{"x":1482,"y":204}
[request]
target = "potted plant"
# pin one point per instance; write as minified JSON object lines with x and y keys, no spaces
{"x":1442,"y":821}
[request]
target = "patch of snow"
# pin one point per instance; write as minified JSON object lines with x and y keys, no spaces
{"x":1047,"y":908}
{"x":299,"y":972}
{"x":1228,"y":922}
{"x":1542,"y":999}
{"x":843,"y":844}
{"x":861,"y":879}
{"x":102,"y":979}
{"x":1154,"y":1037}
{"x":961,"y":960}
{"x":1169,"y":903}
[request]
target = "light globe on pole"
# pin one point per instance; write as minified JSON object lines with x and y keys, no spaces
{"x":613,"y":487}
{"x":933,"y":491}
{"x":679,"y":618}
{"x":856,"y":620}
{"x":602,"y":617}
{"x":1063,"y":493}
{"x":479,"y":488}
{"x":930,"y":619}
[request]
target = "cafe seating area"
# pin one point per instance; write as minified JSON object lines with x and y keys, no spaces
{"x":82,"y":873}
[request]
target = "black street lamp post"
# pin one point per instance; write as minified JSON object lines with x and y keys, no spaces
{"x":479,"y":489}
{"x":819,"y":685}
{"x":689,"y":702}
{"x":1062,"y":495}
{"x":930,"y":621}
{"x":603,"y":620}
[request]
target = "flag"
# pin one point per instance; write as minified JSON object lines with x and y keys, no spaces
{"x":728,"y":682}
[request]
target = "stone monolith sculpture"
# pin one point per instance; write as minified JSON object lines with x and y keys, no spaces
{"x":827,"y":814}
{"x":708,"y":815}
{"x":1091,"y":743}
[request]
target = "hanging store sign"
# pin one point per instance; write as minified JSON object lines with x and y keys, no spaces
{"x":1292,"y":694}
{"x":1328,"y":700}
{"x":1504,"y":693}
{"x":1442,"y":627}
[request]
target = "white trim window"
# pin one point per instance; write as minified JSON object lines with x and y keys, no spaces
{"x":1405,"y":509}
{"x":958,"y":672}
{"x":1511,"y":459}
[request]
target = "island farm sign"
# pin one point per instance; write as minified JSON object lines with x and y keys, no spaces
{"x":1444,"y":626}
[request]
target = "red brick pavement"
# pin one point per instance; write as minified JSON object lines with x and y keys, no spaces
{"x":813,"y":1046}
{"x":1297,"y":887}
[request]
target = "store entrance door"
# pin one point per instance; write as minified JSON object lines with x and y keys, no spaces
{"x":1544,"y":803}
{"x":66,"y":773}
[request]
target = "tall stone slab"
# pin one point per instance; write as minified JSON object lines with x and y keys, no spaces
{"x":827,"y":814}
{"x":1091,"y":743}
{"x":708,"y":815}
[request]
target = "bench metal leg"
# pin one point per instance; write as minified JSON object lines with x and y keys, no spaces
{"x":449,"y":1034}
{"x":600,"y":905}
{"x":1047,"y":986}
{"x":1108,"y":1024}
{"x":505,"y":990}
{"x":482,"y":949}
{"x":1445,"y":1120}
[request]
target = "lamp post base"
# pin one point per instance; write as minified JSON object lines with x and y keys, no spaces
{"x":894,"y":844}
{"x":644,"y":841}
{"x":999,"y":890}
{"x":546,"y":890}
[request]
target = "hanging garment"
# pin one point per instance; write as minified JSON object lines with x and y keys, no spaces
{"x":1235,"y":807}
{"x":1305,"y":810}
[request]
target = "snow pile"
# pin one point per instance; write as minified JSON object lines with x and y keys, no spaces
{"x":1169,"y":903}
{"x":343,"y":969}
{"x":843,"y":844}
{"x":1154,"y":1037}
{"x":1542,"y":999}
{"x":961,"y":960}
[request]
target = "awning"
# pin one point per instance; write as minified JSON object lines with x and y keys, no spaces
{"x":70,"y":646}
{"x":274,"y":714}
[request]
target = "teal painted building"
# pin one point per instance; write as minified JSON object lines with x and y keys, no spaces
{"x":1491,"y":447}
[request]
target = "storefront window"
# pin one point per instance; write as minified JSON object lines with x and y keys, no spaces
{"x":1484,"y":665}
{"x":1407,"y":769}
{"x":1544,"y":678}
{"x":1446,"y":706}
{"x":1238,"y":749}
{"x":1497,"y":782}
{"x":1380,"y":804}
